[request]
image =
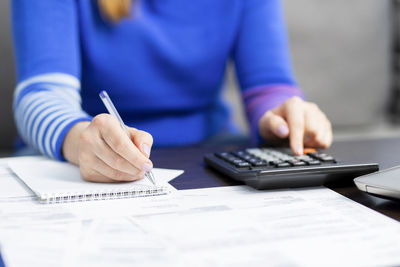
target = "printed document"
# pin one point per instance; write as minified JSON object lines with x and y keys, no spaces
{"x":224,"y":226}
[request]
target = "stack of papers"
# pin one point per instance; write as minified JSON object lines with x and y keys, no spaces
{"x":224,"y":226}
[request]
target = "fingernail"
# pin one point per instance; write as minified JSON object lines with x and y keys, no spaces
{"x":299,"y":150}
{"x":283,"y":130}
{"x":146,"y":149}
{"x":146,"y":167}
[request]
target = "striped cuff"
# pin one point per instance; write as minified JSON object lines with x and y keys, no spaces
{"x":45,"y":108}
{"x":57,"y":152}
{"x":259,"y":100}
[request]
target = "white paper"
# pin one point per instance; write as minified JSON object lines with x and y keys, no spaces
{"x":225,"y":226}
{"x":10,"y":187}
{"x":48,"y":177}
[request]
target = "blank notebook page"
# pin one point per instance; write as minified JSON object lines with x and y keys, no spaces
{"x":49,"y":177}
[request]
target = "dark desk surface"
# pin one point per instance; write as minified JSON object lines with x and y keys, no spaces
{"x":386,"y":152}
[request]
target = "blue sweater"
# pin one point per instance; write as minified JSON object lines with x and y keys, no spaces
{"x":163,"y":67}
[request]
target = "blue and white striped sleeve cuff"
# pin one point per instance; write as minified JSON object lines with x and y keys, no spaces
{"x":45,"y":108}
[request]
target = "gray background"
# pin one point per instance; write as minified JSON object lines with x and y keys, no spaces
{"x":7,"y":79}
{"x":341,"y":56}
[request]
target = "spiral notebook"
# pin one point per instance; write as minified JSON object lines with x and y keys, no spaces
{"x":56,"y":182}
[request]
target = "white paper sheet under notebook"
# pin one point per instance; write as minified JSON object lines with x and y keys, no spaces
{"x":223,"y":226}
{"x":56,"y":181}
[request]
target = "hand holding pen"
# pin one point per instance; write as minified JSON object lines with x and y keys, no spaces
{"x":113,"y":111}
{"x":105,"y":152}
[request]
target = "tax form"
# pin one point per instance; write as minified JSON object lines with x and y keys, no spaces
{"x":224,"y":226}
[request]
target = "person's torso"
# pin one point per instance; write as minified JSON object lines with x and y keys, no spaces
{"x":162,"y":67}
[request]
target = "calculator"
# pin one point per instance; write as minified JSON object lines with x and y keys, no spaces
{"x":273,"y":168}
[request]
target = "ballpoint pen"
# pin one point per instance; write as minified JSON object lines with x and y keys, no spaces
{"x":113,"y":111}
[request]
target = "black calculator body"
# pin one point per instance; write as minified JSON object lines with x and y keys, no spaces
{"x":273,"y":168}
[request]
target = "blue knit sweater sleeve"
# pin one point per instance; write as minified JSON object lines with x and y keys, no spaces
{"x":261,"y":51}
{"x":262,"y":59}
{"x":47,"y":99}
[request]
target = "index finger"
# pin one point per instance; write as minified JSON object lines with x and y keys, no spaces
{"x":115,"y":137}
{"x":294,"y":113}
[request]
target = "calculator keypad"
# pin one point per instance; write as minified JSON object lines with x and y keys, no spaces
{"x":270,"y":158}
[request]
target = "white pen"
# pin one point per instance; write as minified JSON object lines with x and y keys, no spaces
{"x":113,"y":111}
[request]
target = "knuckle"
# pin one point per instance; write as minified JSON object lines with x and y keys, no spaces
{"x":295,"y":100}
{"x":268,"y":114}
{"x":146,"y":135}
{"x":85,"y":137}
{"x":118,"y":144}
{"x":100,"y":120}
{"x":268,"y":117}
{"x":313,"y":106}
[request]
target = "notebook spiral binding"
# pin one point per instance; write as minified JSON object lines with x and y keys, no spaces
{"x":89,"y":196}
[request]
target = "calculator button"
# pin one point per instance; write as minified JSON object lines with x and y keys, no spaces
{"x":314,"y":162}
{"x":240,"y":154}
{"x":237,"y":161}
{"x":247,"y":157}
{"x":242,"y":164}
{"x":259,"y":163}
{"x":223,"y":155}
{"x":275,"y":162}
{"x":283,"y":164}
{"x":280,"y":163}
{"x":231,"y":159}
{"x":327,"y":159}
{"x":314,"y":154}
{"x":297,"y":163}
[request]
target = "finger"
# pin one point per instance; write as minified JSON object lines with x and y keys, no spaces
{"x":91,"y":140}
{"x":314,"y":129}
{"x":142,"y":140}
{"x":328,"y":137}
{"x":274,"y":125}
{"x":330,"y":134}
{"x":295,"y":120}
{"x":112,"y":133}
{"x":104,"y":152}
{"x":87,"y":171}
{"x":107,"y":172}
{"x":91,"y":175}
{"x":318,"y":131}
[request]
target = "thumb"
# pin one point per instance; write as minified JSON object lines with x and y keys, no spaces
{"x":274,"y":125}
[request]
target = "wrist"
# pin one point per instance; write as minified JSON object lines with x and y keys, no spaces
{"x":70,"y":147}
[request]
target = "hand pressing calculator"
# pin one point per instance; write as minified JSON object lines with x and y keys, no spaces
{"x":272,"y":168}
